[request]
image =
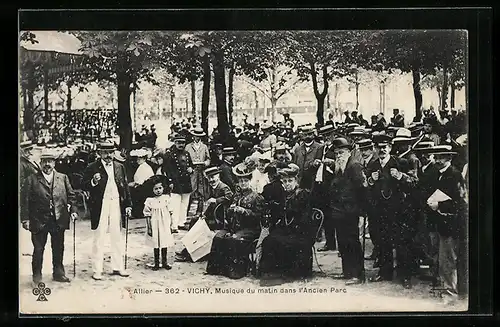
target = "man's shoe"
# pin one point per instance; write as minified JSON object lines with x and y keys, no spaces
{"x":180,"y":258}
{"x":379,"y":278}
{"x":174,"y":231}
{"x":97,"y":276}
{"x":167,"y":266}
{"x":61,"y":279}
{"x":407,"y":283}
{"x":354,"y":281}
{"x":339,"y":276}
{"x":324,"y":249}
{"x":120,"y":273}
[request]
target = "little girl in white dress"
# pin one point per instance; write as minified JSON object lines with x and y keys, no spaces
{"x":158,"y":213}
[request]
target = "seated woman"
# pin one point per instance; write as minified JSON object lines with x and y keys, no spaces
{"x":232,"y":246}
{"x":287,"y":251}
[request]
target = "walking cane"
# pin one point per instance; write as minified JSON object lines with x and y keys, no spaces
{"x":364,"y":244}
{"x":126,"y":239}
{"x":74,"y":248}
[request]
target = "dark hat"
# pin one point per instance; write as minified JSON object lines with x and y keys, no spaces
{"x":381,"y":139}
{"x":292,"y":170}
{"x":286,"y":114}
{"x":211,"y":171}
{"x":340,"y":143}
{"x":242,"y":170}
{"x":364,"y":144}
{"x":441,"y":149}
{"x":228,"y":150}
{"x":271,"y":169}
{"x":431,"y":120}
{"x":106,"y":146}
{"x":179,"y":137}
{"x":326,"y":130}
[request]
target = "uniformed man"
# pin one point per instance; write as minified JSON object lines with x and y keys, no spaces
{"x":178,"y":166}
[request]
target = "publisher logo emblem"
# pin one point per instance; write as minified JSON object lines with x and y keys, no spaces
{"x":41,"y":291}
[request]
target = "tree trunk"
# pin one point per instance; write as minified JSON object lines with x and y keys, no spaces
{"x":124,"y":119}
{"x":445,"y":87}
{"x":205,"y":98}
{"x":380,"y":95}
{"x":69,"y":98}
{"x":328,"y":101}
{"x":452,"y":96}
{"x":28,"y":118}
{"x":230,"y":92}
{"x":220,"y":94}
{"x":172,"y":97}
{"x":256,"y":103}
{"x":417,"y":92}
{"x":320,"y":96}
{"x":46,"y":93}
{"x":335,"y":98}
{"x":273,"y":107}
{"x":440,"y":97}
{"x":193,"y":98}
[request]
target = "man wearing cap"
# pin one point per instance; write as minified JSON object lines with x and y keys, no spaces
{"x":304,"y":156}
{"x":281,"y":156}
{"x":201,"y":159}
{"x":218,"y":194}
{"x":45,"y":196}
{"x":324,"y":164}
{"x":110,"y":206}
{"x":178,"y":166}
{"x":226,"y":168}
{"x":347,"y":200}
{"x":390,"y":183}
{"x":450,"y":213}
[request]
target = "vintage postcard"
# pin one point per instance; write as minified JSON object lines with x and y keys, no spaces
{"x":214,"y":172}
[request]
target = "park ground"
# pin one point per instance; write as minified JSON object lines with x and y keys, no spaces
{"x":185,"y":289}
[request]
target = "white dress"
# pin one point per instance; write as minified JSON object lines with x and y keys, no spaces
{"x":158,"y":208}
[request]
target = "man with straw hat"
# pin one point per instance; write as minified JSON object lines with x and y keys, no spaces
{"x":201,"y":159}
{"x":110,"y":207}
{"x":45,"y":197}
{"x":389,"y":184}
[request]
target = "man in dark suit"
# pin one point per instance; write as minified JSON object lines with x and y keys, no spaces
{"x":110,"y":205}
{"x":44,"y":210}
{"x":304,"y":156}
{"x":325,"y":165}
{"x":347,"y":198}
{"x":390,"y":184}
{"x":451,"y":220}
{"x":226,"y":167}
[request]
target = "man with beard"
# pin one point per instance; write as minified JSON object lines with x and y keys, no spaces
{"x":226,"y":168}
{"x":347,"y":191}
{"x":178,"y":166}
{"x":218,"y":193}
{"x":324,"y":163}
{"x":304,"y":156}
{"x":430,"y":126}
{"x":28,"y":167}
{"x":281,"y":157}
{"x":45,"y":196}
{"x":390,"y":185}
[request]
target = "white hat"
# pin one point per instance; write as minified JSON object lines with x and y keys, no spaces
{"x":140,"y":153}
{"x":403,"y":135}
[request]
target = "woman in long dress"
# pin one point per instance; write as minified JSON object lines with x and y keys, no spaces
{"x":232,"y":246}
{"x":287,"y":251}
{"x":158,"y":213}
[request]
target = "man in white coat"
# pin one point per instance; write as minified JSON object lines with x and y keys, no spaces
{"x":110,"y":207}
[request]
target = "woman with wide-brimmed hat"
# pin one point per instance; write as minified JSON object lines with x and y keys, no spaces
{"x":287,"y":251}
{"x":231,"y":246}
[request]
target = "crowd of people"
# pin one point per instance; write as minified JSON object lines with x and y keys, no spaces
{"x":260,"y":191}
